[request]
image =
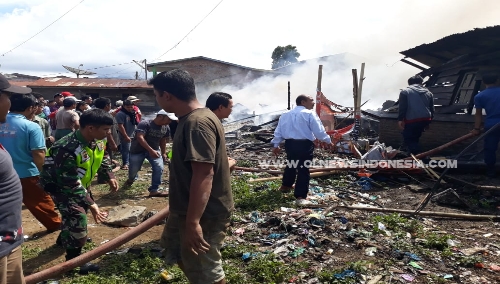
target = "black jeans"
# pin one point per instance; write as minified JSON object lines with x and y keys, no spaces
{"x":297,"y":153}
{"x":411,"y":135}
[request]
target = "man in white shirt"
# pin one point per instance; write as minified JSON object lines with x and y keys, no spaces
{"x":299,"y":128}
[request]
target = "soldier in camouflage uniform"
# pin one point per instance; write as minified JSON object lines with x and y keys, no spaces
{"x":70,"y":166}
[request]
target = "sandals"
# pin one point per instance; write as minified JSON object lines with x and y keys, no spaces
{"x":159,"y":193}
{"x":125,"y":167}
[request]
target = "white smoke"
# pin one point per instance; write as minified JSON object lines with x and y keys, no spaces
{"x":267,"y":96}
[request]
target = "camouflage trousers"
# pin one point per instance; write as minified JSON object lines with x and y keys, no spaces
{"x":74,"y":221}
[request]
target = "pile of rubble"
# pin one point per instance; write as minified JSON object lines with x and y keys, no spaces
{"x":380,"y":248}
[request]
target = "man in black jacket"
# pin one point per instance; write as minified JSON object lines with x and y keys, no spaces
{"x":416,"y":111}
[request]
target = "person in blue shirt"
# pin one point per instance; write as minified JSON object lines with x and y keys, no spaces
{"x":299,"y":128}
{"x":489,"y":100}
{"x":25,"y":142}
{"x":11,"y":197}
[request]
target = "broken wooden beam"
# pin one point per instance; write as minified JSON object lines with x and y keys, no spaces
{"x":424,"y":213}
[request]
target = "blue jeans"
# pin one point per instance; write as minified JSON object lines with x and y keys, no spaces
{"x":125,"y":151}
{"x":136,"y":161}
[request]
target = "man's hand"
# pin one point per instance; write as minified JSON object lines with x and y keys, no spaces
{"x":51,"y":139}
{"x":193,"y":239}
{"x":113,"y":185}
{"x":127,"y":139}
{"x":164,"y":157}
{"x":276,"y":151}
{"x":154,"y":154}
{"x":98,"y":215}
{"x":476,"y":132}
{"x":232,"y":163}
{"x":401,"y":125}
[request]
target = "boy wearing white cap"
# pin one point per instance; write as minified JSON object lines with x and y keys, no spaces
{"x":149,"y":143}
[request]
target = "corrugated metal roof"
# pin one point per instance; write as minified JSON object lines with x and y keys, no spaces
{"x":477,"y":41}
{"x":90,"y":83}
{"x":20,"y":83}
{"x":203,"y":58}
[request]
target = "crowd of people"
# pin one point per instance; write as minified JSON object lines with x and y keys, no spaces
{"x":51,"y":151}
{"x":50,"y":164}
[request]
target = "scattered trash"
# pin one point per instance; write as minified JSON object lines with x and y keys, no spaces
{"x":165,"y":275}
{"x":415,"y":265}
{"x":255,"y":217}
{"x":452,"y":243}
{"x":247,"y":256}
{"x":407,"y":277}
{"x":297,"y":252}
{"x":346,"y":273}
{"x":239,"y":231}
{"x":275,"y":236}
{"x":370,"y":251}
{"x":495,"y":267}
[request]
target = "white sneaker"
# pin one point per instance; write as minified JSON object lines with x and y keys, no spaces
{"x":302,"y":202}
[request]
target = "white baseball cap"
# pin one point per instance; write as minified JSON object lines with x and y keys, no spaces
{"x":132,"y":98}
{"x":169,"y":114}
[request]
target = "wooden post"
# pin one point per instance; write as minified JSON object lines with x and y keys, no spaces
{"x":358,"y":86}
{"x":288,"y":95}
{"x":355,"y":86}
{"x":318,"y":91}
{"x":146,"y":69}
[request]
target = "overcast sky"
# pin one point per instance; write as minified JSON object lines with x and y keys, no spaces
{"x":107,"y":32}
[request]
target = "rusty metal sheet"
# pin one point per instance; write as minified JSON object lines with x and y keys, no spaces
{"x":90,"y":83}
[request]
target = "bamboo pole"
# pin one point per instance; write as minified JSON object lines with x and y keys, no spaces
{"x":273,"y":172}
{"x":97,"y":252}
{"x":318,"y":91}
{"x":442,"y":147}
{"x":424,"y":213}
{"x":316,"y":174}
{"x":486,"y":187}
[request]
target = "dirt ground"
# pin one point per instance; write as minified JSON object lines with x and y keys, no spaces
{"x":400,"y":192}
{"x":49,"y":254}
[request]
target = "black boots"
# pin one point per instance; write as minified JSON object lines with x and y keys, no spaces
{"x":87,"y":267}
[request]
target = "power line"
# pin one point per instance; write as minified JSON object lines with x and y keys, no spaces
{"x":43,"y":28}
{"x":189,"y":31}
{"x":113,"y":65}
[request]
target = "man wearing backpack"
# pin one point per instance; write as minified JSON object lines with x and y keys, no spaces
{"x":149,"y":143}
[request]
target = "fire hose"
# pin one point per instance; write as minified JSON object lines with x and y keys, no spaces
{"x":97,"y":252}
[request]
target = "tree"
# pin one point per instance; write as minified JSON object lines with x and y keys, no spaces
{"x":284,"y":55}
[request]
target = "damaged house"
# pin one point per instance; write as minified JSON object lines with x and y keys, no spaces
{"x":451,"y":68}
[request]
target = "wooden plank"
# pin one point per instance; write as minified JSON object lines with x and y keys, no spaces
{"x":442,"y":102}
{"x":452,"y":79}
{"x":442,"y":89}
{"x":443,"y":95}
